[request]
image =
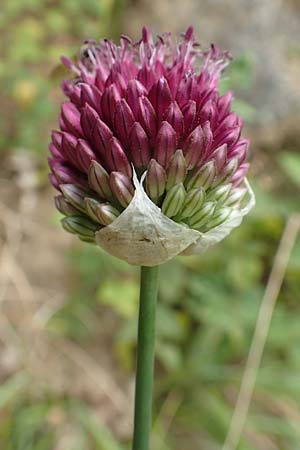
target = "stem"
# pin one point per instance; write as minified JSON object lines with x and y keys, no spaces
{"x":145,"y":358}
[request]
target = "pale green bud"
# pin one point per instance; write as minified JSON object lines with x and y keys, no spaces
{"x":193,"y":202}
{"x":203,"y":176}
{"x":202,"y":217}
{"x":177,"y":170}
{"x":174,"y":200}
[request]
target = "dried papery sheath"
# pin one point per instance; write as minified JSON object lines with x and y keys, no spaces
{"x":149,"y":159}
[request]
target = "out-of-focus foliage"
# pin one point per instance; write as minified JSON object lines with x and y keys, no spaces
{"x":207,"y":305}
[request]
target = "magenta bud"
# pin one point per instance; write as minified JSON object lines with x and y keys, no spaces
{"x":223,"y":105}
{"x":99,"y":180}
{"x":189,"y":114}
{"x":240,"y":150}
{"x":64,"y":206}
{"x":117,"y":159}
{"x":122,"y":188}
{"x":91,"y":95}
{"x":139,"y":146}
{"x":101,"y":136}
{"x":239,"y":175}
{"x":123,"y":120}
{"x":71,"y":118}
{"x":135,"y":90}
{"x":228,"y":137}
{"x":193,"y":202}
{"x":165,"y":145}
{"x":69,"y":143}
{"x":177,"y":170}
{"x":174,"y":200}
{"x":88,"y":120}
{"x":75,"y":195}
{"x":208,"y":113}
{"x":160,"y":97}
{"x":220,"y":157}
{"x":106,"y":213}
{"x":203,"y":176}
{"x":66,"y":175}
{"x":174,"y":116}
{"x":109,"y":100}
{"x":147,"y":117}
{"x":146,"y":77}
{"x":56,"y":138}
{"x":55,"y":152}
{"x":155,"y":180}
{"x":84,"y":154}
{"x":197,"y":145}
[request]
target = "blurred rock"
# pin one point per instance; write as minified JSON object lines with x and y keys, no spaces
{"x":266,"y":30}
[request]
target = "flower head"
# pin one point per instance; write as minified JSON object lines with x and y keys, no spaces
{"x":149,"y":161}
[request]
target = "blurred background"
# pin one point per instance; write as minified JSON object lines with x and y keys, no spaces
{"x":69,"y":311}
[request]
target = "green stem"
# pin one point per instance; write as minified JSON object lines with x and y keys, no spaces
{"x":145,"y":359}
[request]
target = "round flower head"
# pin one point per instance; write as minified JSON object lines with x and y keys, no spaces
{"x":149,"y":161}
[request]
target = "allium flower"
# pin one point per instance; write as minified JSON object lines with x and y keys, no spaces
{"x":149,"y":161}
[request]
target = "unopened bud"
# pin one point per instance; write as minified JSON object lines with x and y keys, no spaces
{"x":174,"y":200}
{"x":220,"y":193}
{"x":203,"y":177}
{"x":199,"y":219}
{"x":80,"y":225}
{"x":193,"y":202}
{"x":121,"y":187}
{"x":155,"y":180}
{"x":106,"y":213}
{"x":64,"y":206}
{"x":99,"y":180}
{"x":219,"y":217}
{"x":177,"y":170}
{"x":91,"y":207}
{"x":236,"y":196}
{"x":75,"y":195}
{"x":227,"y":172}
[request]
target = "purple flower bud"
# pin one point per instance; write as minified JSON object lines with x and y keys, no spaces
{"x":123,"y":120}
{"x":69,"y":143}
{"x":240,"y":150}
{"x":197,"y":144}
{"x":92,"y":96}
{"x":174,"y":116}
{"x":174,"y":200}
{"x":99,"y":180}
{"x":64,"y":206}
{"x":117,"y":159}
{"x":109,"y":100}
{"x":122,"y":188}
{"x":147,"y":117}
{"x":135,"y":90}
{"x":155,"y":180}
{"x":88,"y":119}
{"x":165,"y":145}
{"x":223,"y":105}
{"x":71,"y":118}
{"x":239,"y":175}
{"x":139,"y":146}
{"x":220,"y":157}
{"x":75,"y":195}
{"x":189,"y":115}
{"x":84,"y":154}
{"x":160,"y":97}
{"x":101,"y":136}
{"x":177,"y":170}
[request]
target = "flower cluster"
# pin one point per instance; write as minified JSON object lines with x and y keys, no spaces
{"x":152,"y":108}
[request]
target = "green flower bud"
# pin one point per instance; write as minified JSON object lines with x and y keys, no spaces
{"x":193,"y":202}
{"x":220,"y":193}
{"x":200,"y":219}
{"x":203,"y":176}
{"x":236,"y":196}
{"x":177,"y":170}
{"x":227,"y":172}
{"x":80,"y":225}
{"x":219,"y":217}
{"x":174,"y":200}
{"x":91,"y":208}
